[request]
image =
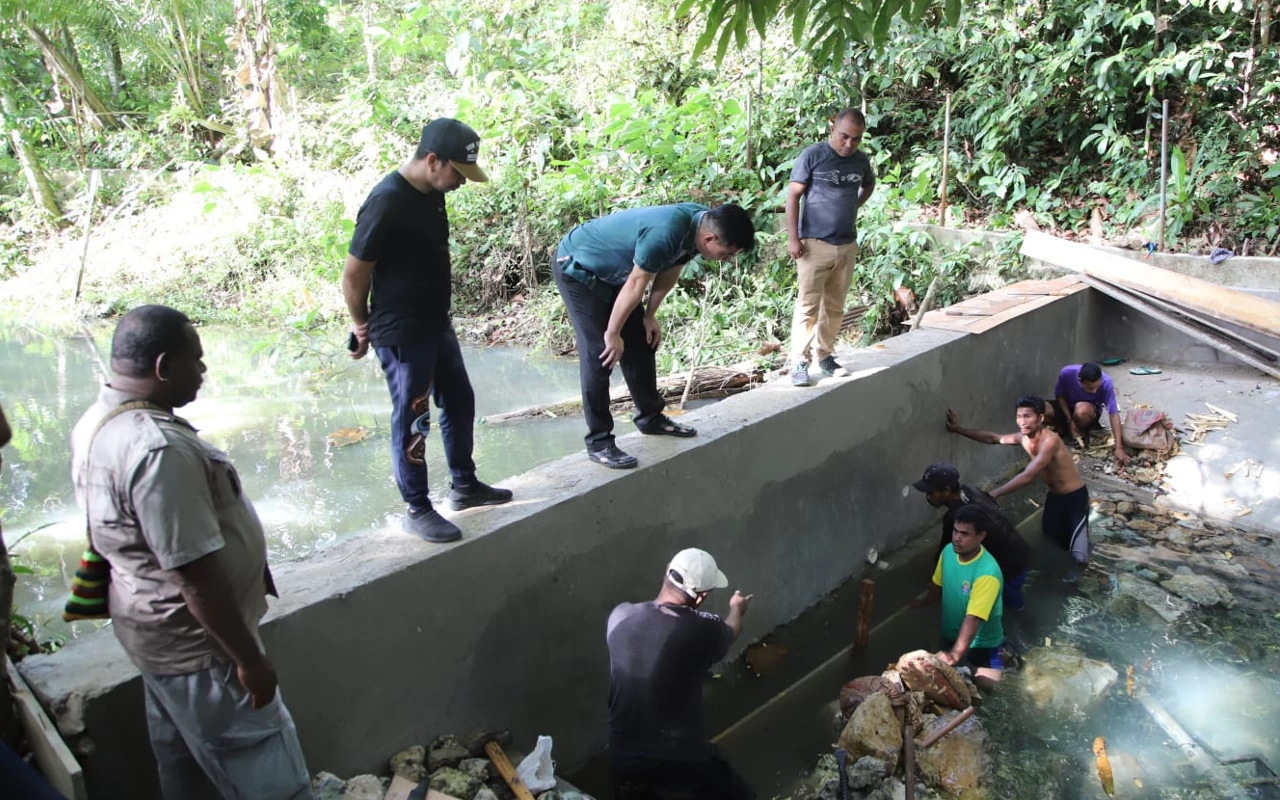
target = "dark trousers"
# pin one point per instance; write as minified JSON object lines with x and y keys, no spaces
{"x":589,"y":312}
{"x":432,"y":369}
{"x":713,"y":779}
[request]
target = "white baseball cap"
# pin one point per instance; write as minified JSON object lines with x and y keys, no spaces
{"x":697,"y":572}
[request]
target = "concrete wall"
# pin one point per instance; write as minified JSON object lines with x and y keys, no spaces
{"x":382,"y":642}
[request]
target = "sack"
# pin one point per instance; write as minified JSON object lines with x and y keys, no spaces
{"x":92,"y":580}
{"x":537,"y":770}
{"x":1148,"y":429}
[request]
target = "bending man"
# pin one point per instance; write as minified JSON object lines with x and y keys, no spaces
{"x":603,"y":269}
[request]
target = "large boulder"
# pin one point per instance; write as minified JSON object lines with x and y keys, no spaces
{"x":1063,"y":678}
{"x":1135,"y":597}
{"x":1199,"y":589}
{"x":957,"y":764}
{"x":923,"y":671}
{"x":327,"y":786}
{"x":873,"y":731}
{"x":866,"y":772}
{"x":857,"y":690}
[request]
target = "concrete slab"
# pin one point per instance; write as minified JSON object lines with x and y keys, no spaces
{"x":1196,"y":478}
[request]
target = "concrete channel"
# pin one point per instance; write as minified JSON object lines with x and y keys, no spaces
{"x":382,"y":642}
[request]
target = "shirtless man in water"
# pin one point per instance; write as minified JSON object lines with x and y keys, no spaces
{"x":1066,"y":506}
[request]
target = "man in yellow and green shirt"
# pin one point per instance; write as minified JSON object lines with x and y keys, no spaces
{"x":969,"y":583}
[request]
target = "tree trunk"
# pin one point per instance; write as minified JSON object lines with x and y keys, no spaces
{"x":69,"y":47}
{"x":263,"y":94}
{"x":37,"y":181}
{"x":1264,"y":23}
{"x":95,"y":109}
{"x":115,"y":65}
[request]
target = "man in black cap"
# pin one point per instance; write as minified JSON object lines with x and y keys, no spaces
{"x":400,"y":252}
{"x":942,"y":488}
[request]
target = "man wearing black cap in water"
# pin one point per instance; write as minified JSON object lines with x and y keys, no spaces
{"x":942,"y":488}
{"x":400,"y":253}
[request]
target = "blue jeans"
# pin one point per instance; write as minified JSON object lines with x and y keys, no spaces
{"x":432,"y":370}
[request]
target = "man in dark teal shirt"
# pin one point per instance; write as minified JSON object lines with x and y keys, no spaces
{"x":602,"y":269}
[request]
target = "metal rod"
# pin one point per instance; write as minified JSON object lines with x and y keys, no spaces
{"x":1200,"y":760}
{"x":1164,"y":168}
{"x":909,"y":767}
{"x":946,"y":149}
{"x":932,"y":738}
{"x":864,"y":613}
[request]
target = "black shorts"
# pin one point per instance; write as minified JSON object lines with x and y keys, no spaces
{"x":1066,"y":522}
{"x":712,"y":779}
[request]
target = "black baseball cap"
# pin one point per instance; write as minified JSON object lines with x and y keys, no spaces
{"x":458,"y":143}
{"x":938,"y":477}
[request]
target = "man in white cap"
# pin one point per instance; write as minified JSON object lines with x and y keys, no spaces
{"x":659,"y":653}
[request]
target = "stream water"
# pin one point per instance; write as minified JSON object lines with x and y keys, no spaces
{"x":272,"y":411}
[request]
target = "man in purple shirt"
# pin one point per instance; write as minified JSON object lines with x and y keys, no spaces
{"x":1083,"y":392}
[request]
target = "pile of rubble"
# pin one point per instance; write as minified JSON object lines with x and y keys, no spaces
{"x":882,"y":717}
{"x":446,"y":766}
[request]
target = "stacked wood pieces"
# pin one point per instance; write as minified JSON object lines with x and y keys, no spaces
{"x":986,"y":311}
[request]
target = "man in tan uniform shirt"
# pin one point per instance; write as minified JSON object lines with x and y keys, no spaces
{"x":189,"y":572}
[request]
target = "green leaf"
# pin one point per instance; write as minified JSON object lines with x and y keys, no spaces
{"x":918,"y":9}
{"x":952,"y":12}
{"x":19,"y":569}
{"x":742,"y":22}
{"x":885,"y":18}
{"x":760,"y":15}
{"x":714,"y":17}
{"x":799,"y":15}
{"x":726,"y":36}
{"x":683,"y":9}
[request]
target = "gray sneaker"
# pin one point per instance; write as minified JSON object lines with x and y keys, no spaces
{"x":800,"y":374}
{"x":831,"y":368}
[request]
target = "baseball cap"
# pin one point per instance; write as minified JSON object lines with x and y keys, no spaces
{"x":937,"y":477}
{"x":458,"y":143}
{"x":695,"y":571}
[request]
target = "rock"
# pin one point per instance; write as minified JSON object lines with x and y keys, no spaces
{"x":1144,"y":525}
{"x":1105,"y":507}
{"x":892,"y":789}
{"x":485,"y":794}
{"x":1139,"y":598}
{"x":364,"y":787}
{"x":922,"y":672}
{"x":1191,"y":524}
{"x":410,"y":763}
{"x":873,"y":731}
{"x":445,"y":752}
{"x":551,"y":795}
{"x":957,"y":764}
{"x":858,"y":690}
{"x":455,"y":783}
{"x":913,"y":710}
{"x":327,"y":786}
{"x":1063,"y":678}
{"x":475,"y":745}
{"x":1199,"y":589}
{"x":866,"y":772}
{"x":1124,"y":507}
{"x":1179,"y":537}
{"x":1147,"y":574}
{"x":477,"y":767}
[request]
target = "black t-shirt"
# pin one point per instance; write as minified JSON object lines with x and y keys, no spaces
{"x":407,"y":233}
{"x":1003,"y":541}
{"x":658,"y":655}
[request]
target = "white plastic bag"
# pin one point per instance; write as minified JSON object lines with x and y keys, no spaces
{"x":537,"y":770}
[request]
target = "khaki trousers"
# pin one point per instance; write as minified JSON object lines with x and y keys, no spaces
{"x":825,"y":271}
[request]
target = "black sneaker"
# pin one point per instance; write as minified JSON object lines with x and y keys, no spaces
{"x":429,"y":526}
{"x":482,"y":494}
{"x":831,"y":368}
{"x":612,"y":457}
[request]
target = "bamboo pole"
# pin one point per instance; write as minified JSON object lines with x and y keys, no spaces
{"x":1164,"y":169}
{"x":865,"y":606}
{"x":924,"y":305}
{"x":94,"y":180}
{"x":946,"y":150}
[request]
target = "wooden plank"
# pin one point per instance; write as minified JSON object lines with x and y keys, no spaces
{"x":984,"y":325}
{"x":1219,"y":302}
{"x":940,"y":321}
{"x":1177,"y":324}
{"x":51,"y":753}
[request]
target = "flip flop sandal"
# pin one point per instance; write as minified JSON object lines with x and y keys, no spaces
{"x":667,"y":427}
{"x":1144,"y":371}
{"x":1113,"y":362}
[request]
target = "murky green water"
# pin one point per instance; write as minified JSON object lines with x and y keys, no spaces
{"x":272,"y":412}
